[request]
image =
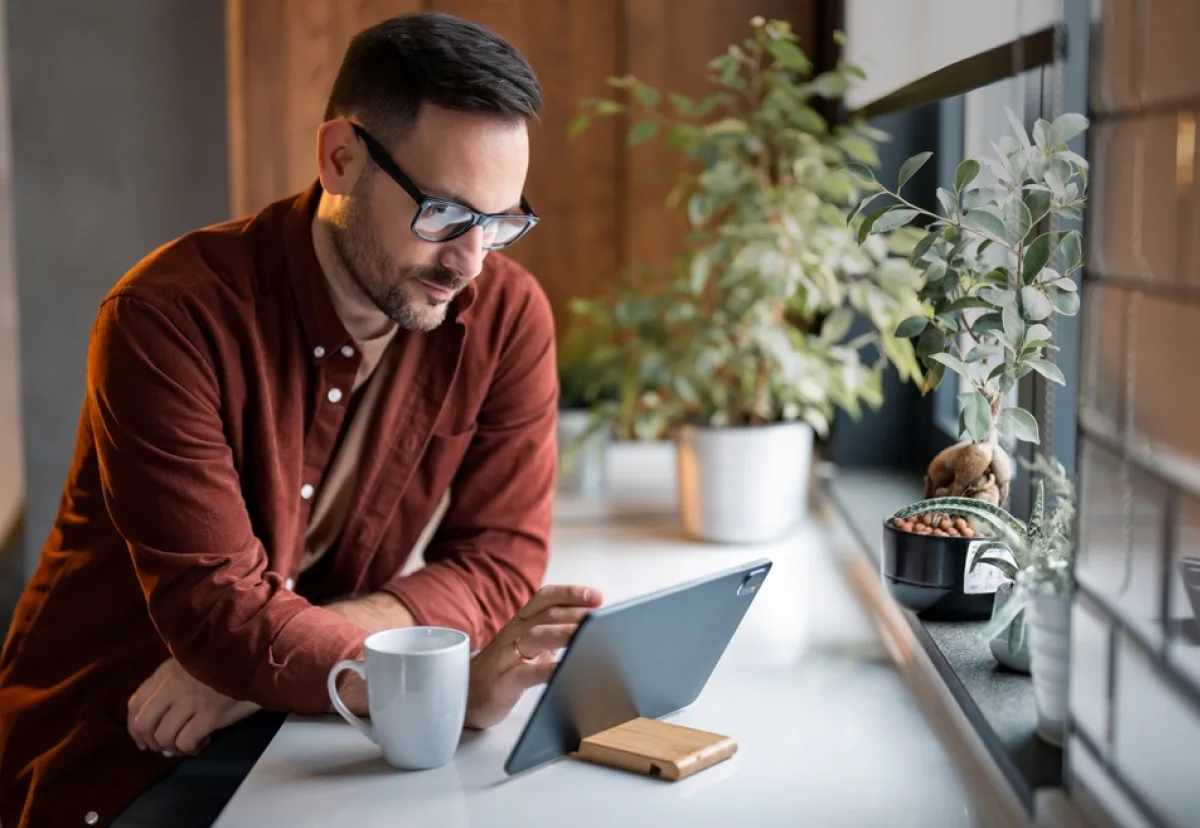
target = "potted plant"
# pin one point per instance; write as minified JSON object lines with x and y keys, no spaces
{"x":1038,"y":557}
{"x":751,"y":352}
{"x":584,"y":380}
{"x":996,"y":274}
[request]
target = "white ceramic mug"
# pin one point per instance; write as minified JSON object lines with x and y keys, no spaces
{"x":416,"y":693}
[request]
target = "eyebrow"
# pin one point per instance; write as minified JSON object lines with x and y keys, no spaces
{"x":447,"y":195}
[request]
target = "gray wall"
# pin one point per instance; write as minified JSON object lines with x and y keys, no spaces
{"x":119,"y":144}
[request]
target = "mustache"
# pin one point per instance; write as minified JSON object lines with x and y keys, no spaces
{"x":441,"y":277}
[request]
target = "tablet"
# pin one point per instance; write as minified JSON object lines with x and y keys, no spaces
{"x":648,"y":656}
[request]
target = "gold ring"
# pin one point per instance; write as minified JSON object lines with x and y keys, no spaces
{"x":517,"y":649}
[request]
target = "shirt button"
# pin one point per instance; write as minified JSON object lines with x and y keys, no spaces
{"x":306,"y":491}
{"x":289,"y":583}
{"x":334,"y":395}
{"x":91,"y":818}
{"x":347,"y":351}
{"x":318,"y":352}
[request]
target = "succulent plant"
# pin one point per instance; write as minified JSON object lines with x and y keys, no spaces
{"x":1042,"y":547}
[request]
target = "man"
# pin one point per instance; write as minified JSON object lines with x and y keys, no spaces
{"x":277,"y":410}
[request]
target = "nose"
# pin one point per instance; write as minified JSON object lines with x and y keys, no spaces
{"x":465,"y":254}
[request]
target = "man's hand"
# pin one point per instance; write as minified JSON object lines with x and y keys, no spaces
{"x":522,"y":653}
{"x":172,"y":711}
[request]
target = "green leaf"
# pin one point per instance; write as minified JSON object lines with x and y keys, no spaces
{"x":860,"y":150}
{"x":1066,"y":127}
{"x":1014,"y":327}
{"x":953,"y":363}
{"x":1019,"y":424}
{"x":967,"y":507}
{"x":647,"y":96}
{"x":896,"y":217}
{"x":1038,"y":204}
{"x":1066,"y":301}
{"x":981,"y":197}
{"x":977,"y":415}
{"x":789,"y":55}
{"x":1048,"y":370}
{"x":1003,"y":564}
{"x":1065,"y":283}
{"x":932,"y":341}
{"x":912,"y":326}
{"x":1018,"y":127}
{"x":910,"y":167}
{"x":936,"y":271}
{"x":921,"y":248}
{"x":949,"y":202}
{"x":683,"y":104}
{"x":861,"y":171}
{"x":1055,"y":183}
{"x":1072,"y":249}
{"x":863,"y":203}
{"x":1017,"y":220}
{"x":988,"y":223}
{"x":578,"y":125}
{"x":642,"y":132}
{"x":1035,"y":333}
{"x":988,"y":323}
{"x":1041,"y":132}
{"x":965,"y":174}
{"x":837,"y":324}
{"x":1035,"y":304}
{"x":868,"y":222}
{"x":1038,"y":254}
{"x":964,"y":303}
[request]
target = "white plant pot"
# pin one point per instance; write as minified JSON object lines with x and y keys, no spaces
{"x":1049,"y":630}
{"x":743,"y":485}
{"x":1019,"y":660}
{"x":582,"y":471}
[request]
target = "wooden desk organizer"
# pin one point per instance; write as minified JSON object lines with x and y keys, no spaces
{"x":654,"y":748}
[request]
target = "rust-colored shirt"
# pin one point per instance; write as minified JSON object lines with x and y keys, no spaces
{"x":217,"y":389}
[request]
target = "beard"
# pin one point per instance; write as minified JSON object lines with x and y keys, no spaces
{"x":394,"y":288}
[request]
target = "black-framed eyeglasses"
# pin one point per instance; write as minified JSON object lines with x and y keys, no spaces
{"x":440,"y":220}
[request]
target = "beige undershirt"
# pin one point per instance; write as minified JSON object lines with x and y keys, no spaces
{"x":372,"y":331}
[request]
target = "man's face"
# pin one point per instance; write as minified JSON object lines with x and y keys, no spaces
{"x":474,"y":160}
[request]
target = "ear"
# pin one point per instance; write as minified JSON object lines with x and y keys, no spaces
{"x":341,"y":157}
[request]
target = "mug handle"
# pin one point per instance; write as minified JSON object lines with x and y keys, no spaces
{"x":340,"y":706}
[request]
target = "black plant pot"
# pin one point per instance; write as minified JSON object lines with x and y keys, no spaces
{"x":927,"y":574}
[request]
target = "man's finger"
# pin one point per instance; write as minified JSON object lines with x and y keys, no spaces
{"x":560,"y":595}
{"x":147,"y":719}
{"x":533,"y":674}
{"x":166,"y":734}
{"x":556,"y":615}
{"x":194,"y":735}
{"x":545,"y":637}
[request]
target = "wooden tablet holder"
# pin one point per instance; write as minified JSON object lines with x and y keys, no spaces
{"x":657,"y":749}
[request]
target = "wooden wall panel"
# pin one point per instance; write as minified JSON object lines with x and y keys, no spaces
{"x":669,"y":48}
{"x":283,"y":56}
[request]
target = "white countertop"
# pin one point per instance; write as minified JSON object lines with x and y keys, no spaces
{"x":828,"y":734}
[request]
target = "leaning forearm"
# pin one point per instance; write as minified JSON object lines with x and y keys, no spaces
{"x":375,"y":612}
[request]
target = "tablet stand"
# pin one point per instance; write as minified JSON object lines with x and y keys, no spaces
{"x":655,"y":748}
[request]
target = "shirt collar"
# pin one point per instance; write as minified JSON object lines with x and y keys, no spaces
{"x":322,"y":326}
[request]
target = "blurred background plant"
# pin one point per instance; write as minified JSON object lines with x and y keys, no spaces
{"x":752,"y":323}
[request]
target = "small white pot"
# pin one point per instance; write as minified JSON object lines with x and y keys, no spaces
{"x":743,"y":485}
{"x":1049,"y":618}
{"x":582,"y":470}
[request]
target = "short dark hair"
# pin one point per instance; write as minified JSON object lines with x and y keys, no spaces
{"x":393,"y":67}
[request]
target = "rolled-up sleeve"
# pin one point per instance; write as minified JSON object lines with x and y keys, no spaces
{"x":173,"y":493}
{"x":490,"y":551}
